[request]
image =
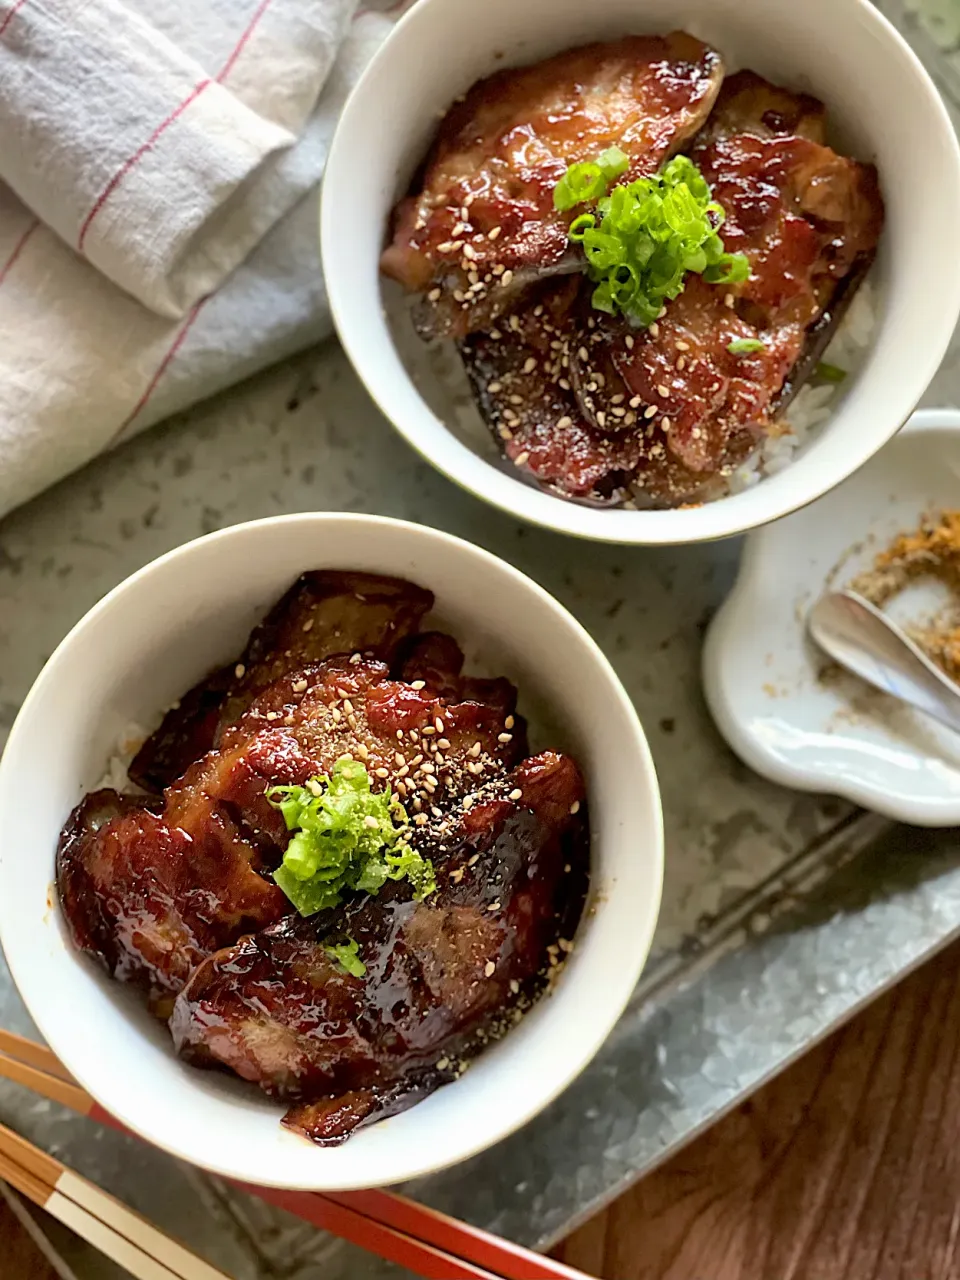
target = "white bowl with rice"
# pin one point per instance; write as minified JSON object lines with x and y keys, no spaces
{"x":882,"y":107}
{"x":152,"y":638}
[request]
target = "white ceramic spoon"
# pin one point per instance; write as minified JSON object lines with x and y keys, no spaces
{"x":863,"y":639}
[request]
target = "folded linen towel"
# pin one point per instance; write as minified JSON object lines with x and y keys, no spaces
{"x":158,"y":223}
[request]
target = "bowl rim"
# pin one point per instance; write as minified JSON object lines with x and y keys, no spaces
{"x":43,"y":1010}
{"x":490,"y":483}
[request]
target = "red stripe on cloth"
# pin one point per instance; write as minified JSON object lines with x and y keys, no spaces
{"x":161,"y":128}
{"x":18,"y":249}
{"x":239,"y":46}
{"x":9,"y":15}
{"x":128,"y":164}
{"x":161,"y":370}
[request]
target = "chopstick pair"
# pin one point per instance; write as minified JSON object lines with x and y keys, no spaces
{"x":104,"y":1222}
{"x":429,"y":1243}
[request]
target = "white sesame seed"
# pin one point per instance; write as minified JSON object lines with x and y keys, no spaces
{"x":399,"y":757}
{"x":494,"y":906}
{"x":433,"y":295}
{"x":515,"y":399}
{"x":601,"y":418}
{"x":443,"y":744}
{"x":629,"y":341}
{"x":494,"y":232}
{"x":575,"y":807}
{"x":516,"y":794}
{"x":504,"y":737}
{"x":308,"y":626}
{"x":240,"y":669}
{"x":682,"y":346}
{"x":650,"y":411}
{"x":382,"y":773}
{"x":506,"y":278}
{"x":489,"y":969}
{"x":418,"y":684}
{"x":583,"y":353}
{"x":505,"y":433}
{"x":354,"y":659}
{"x":370,"y":821}
{"x":565,"y":421}
{"x":635,"y":402}
{"x":273,"y":715}
{"x":514,"y":986}
{"x":529,"y":364}
{"x":494,"y":387}
{"x":521,"y":458}
{"x":728,"y":301}
{"x":459,"y":229}
{"x":475,"y":749}
{"x":438,"y":724}
{"x":473,"y":860}
{"x":665,"y":423}
{"x":509,"y":722}
{"x":469,"y":252}
{"x":663,"y":390}
{"x":681,"y":363}
{"x":362,"y":751}
{"x":654,"y":330}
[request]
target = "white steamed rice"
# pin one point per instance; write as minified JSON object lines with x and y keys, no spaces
{"x":813,"y":405}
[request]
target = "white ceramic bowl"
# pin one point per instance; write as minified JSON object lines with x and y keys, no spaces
{"x":152,"y":638}
{"x":761,"y":672}
{"x":883,"y":107}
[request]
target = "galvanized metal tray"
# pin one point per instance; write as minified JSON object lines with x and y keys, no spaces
{"x":782,"y":913}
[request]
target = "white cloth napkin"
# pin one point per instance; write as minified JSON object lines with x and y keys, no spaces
{"x":158,"y":221}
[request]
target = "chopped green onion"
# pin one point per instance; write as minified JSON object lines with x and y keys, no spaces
{"x":347,"y":957}
{"x":579,"y":226}
{"x":742,"y":346}
{"x":829,"y":372}
{"x":643,"y":237}
{"x":580,"y":183}
{"x":346,"y":837}
{"x":613,"y":162}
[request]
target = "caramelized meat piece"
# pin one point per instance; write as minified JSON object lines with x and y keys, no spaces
{"x":443,"y":976}
{"x":414,"y":740}
{"x":323,"y":613}
{"x":481,"y":225}
{"x":672,"y":403}
{"x":437,"y":660}
{"x":152,"y":890}
{"x":148,"y":899}
{"x":521,"y":382}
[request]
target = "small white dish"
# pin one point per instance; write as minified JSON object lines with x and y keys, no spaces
{"x":152,"y":638}
{"x":881,"y":105}
{"x":764,"y":678}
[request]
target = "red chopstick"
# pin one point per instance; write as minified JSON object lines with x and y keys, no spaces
{"x":423,"y":1240}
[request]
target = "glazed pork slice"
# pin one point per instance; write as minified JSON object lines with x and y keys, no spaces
{"x":437,"y":660}
{"x":808,"y":221}
{"x":151,"y":888}
{"x":480,"y":225}
{"x":429,"y":751}
{"x":148,"y":899}
{"x":443,"y":976}
{"x":324,"y":612}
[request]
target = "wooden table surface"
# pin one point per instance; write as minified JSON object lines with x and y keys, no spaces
{"x":846,"y":1167}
